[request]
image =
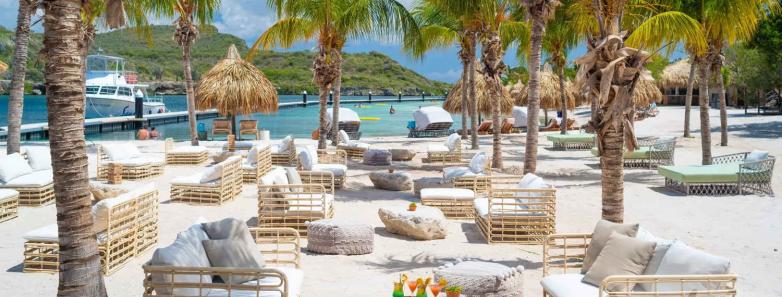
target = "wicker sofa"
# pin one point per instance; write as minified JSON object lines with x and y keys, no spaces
{"x":284,"y":202}
{"x":257,"y":163}
{"x":134,"y":164}
{"x":314,"y":162}
{"x":184,"y":154}
{"x":448,"y":152}
{"x":126,"y":226}
{"x":9,"y":204}
{"x":748,"y":172}
{"x":284,"y":153}
{"x":212,"y":186}
{"x":31,"y":177}
{"x":353,"y":148}
{"x":169,"y":274}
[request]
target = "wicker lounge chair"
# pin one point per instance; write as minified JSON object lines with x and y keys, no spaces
{"x":284,"y":153}
{"x":185,"y":154}
{"x":448,"y":152}
{"x":9,"y":204}
{"x":431,"y":121}
{"x":523,"y":213}
{"x":578,"y":141}
{"x":134,"y":164}
{"x":257,"y":163}
{"x":213,"y":186}
{"x":127,"y":226}
{"x":285,"y":203}
{"x":349,"y":121}
{"x":313,"y":162}
{"x":651,"y":153}
{"x":728,"y":175}
{"x":249,"y":127}
{"x":195,"y":276}
{"x":32,"y":178}
{"x":563,"y":256}
{"x":353,"y":148}
{"x":221,"y":127}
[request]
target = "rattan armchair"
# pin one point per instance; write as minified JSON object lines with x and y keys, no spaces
{"x":330,"y":161}
{"x":252,"y":172}
{"x":286,"y":156}
{"x":9,"y":204}
{"x":191,"y":190}
{"x":293,"y":205}
{"x":516,"y":215}
{"x":446,"y":156}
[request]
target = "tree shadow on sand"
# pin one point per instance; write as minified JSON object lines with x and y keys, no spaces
{"x":769,"y":130}
{"x":398,"y":264}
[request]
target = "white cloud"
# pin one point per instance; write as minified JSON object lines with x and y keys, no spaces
{"x":244,"y":18}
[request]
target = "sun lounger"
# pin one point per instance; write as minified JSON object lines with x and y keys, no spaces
{"x":31,"y":177}
{"x":353,"y":148}
{"x":431,"y":121}
{"x":507,"y":126}
{"x":313,"y":162}
{"x":349,"y":121}
{"x":126,"y":226}
{"x":170,"y":274}
{"x":651,"y":153}
{"x":257,"y":163}
{"x":448,"y":152}
{"x":285,"y":200}
{"x":284,"y":153}
{"x":522,"y":213}
{"x":519,"y":119}
{"x":484,"y":128}
{"x":184,"y":154}
{"x":9,"y":204}
{"x":221,"y":127}
{"x":249,"y":127}
{"x":212,"y":186}
{"x":578,"y":141}
{"x":727,"y":175}
{"x":134,"y":164}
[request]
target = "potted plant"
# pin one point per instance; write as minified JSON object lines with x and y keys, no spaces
{"x":412,"y":206}
{"x":453,"y":291}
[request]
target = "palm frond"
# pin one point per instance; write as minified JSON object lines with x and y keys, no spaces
{"x":666,"y":27}
{"x":284,"y":33}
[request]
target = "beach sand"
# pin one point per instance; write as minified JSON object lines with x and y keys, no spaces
{"x":746,"y":229}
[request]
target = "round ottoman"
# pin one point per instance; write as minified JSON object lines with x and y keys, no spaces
{"x":484,"y":279}
{"x":377,"y":157}
{"x":332,"y":237}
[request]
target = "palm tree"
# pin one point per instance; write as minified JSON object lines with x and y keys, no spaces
{"x":334,"y":22}
{"x":78,"y":247}
{"x":16,"y":93}
{"x":540,"y":12}
{"x":188,"y":13}
{"x":688,"y":98}
{"x":597,"y":76}
{"x":559,"y":39}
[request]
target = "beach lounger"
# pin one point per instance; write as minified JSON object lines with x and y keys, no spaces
{"x":431,"y":121}
{"x":212,"y":186}
{"x":284,"y":153}
{"x":249,"y":127}
{"x":171,"y":274}
{"x":286,"y":200}
{"x":353,"y":148}
{"x":126,"y":227}
{"x":313,"y":162}
{"x":507,"y":126}
{"x":748,"y":172}
{"x":522,"y":213}
{"x":134,"y":164}
{"x":221,"y":127}
{"x":484,"y":128}
{"x":448,"y":152}
{"x":651,"y":153}
{"x":684,"y":273}
{"x":9,"y":204}
{"x":184,"y":154}
{"x":577,"y":141}
{"x":31,"y":177}
{"x":349,"y":121}
{"x":257,"y":163}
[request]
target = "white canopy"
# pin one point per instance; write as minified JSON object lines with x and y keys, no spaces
{"x":345,"y":115}
{"x":519,"y":116}
{"x":430,"y":114}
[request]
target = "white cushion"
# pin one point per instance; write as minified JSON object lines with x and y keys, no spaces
{"x":756,"y":155}
{"x":478,"y":162}
{"x":501,"y":206}
{"x":682,"y":259}
{"x":336,"y":169}
{"x":530,"y":181}
{"x":252,"y":155}
{"x":295,"y":281}
{"x":7,"y":194}
{"x":211,"y":173}
{"x":40,"y":158}
{"x":13,"y":166}
{"x":437,"y":148}
{"x":268,"y":178}
{"x":285,"y":144}
{"x":314,"y":202}
{"x":527,"y":180}
{"x":247,"y":166}
{"x":308,"y":157}
{"x":46,"y":233}
{"x":449,"y":173}
{"x":186,"y":251}
{"x":451,"y":141}
{"x":659,"y":252}
{"x":193,"y":180}
{"x":356,"y":144}
{"x":120,"y":151}
{"x":137,"y":161}
{"x":281,"y":180}
{"x":275,"y":149}
{"x":100,"y":211}
{"x":187,"y":149}
{"x":35,"y":179}
{"x":447,"y":194}
{"x":568,"y":285}
{"x":343,"y":136}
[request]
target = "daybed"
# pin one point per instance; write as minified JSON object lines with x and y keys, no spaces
{"x":748,"y":172}
{"x":134,"y":164}
{"x":352,"y":148}
{"x":226,"y":258}
{"x":431,"y":121}
{"x":257,"y":163}
{"x":651,"y":153}
{"x":9,"y":204}
{"x":578,"y":141}
{"x":349,"y":121}
{"x":448,"y":152}
{"x":285,"y":200}
{"x":312,"y":162}
{"x":212,"y":186}
{"x":621,"y":260}
{"x":32,"y":178}
{"x":284,"y":153}
{"x":126,"y":226}
{"x":185,"y":154}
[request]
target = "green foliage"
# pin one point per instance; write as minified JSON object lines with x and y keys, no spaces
{"x":34,"y":66}
{"x":656,"y":64}
{"x":453,"y":289}
{"x":516,"y":74}
{"x":751,"y":68}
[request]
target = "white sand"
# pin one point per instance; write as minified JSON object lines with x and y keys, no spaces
{"x":746,"y":229}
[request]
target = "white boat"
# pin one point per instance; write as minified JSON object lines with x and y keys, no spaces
{"x":112,"y":91}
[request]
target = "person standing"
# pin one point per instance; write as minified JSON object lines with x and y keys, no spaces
{"x":142,"y":134}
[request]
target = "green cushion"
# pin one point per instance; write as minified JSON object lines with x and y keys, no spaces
{"x":640,"y":153}
{"x":718,"y":173}
{"x":572,"y":138}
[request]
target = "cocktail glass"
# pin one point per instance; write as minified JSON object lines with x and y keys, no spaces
{"x":412,"y":284}
{"x":435,"y":289}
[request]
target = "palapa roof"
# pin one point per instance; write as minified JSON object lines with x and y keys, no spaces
{"x":676,"y":75}
{"x":549,"y":91}
{"x":234,"y":86}
{"x":3,"y":67}
{"x":646,"y":90}
{"x":453,"y":103}
{"x":515,"y":91}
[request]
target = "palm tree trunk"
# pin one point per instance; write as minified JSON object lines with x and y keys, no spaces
{"x":612,"y":175}
{"x":335,"y":107}
{"x":324,"y":97}
{"x":688,"y":98}
{"x":723,"y":103}
{"x":16,"y":94}
{"x":464,"y":57}
{"x":492,"y":67}
{"x":533,"y":106}
{"x":472,"y":99}
{"x":78,"y":247}
{"x":703,"y":101}
{"x":191,"y":112}
{"x":563,"y":100}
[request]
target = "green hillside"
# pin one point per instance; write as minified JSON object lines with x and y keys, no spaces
{"x":289,"y":71}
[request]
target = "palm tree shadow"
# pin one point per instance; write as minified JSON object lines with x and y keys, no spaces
{"x":473,"y":233}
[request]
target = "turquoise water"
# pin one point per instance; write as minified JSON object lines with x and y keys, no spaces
{"x":298,"y":121}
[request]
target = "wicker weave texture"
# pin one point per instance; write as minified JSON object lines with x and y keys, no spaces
{"x":330,"y":237}
{"x":9,"y":208}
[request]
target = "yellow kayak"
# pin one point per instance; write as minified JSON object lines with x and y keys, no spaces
{"x":369,"y":118}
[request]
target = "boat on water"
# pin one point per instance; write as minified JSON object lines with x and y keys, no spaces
{"x":112,"y":91}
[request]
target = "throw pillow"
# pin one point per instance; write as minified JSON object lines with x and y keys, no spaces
{"x":40,"y":158}
{"x":682,"y":259}
{"x":478,"y":163}
{"x":343,"y":136}
{"x":233,"y":253}
{"x":252,"y":156}
{"x":451,"y":141}
{"x":100,"y":192}
{"x":756,"y":155}
{"x":212,"y":173}
{"x":285,"y":144}
{"x":186,"y":251}
{"x":659,"y":250}
{"x":622,"y":255}
{"x":13,"y":166}
{"x":294,"y":179}
{"x":234,"y":229}
{"x":603,"y":230}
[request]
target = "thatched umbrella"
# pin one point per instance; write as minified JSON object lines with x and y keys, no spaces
{"x":676,"y":75}
{"x":234,"y":86}
{"x":549,"y":93}
{"x":3,"y":67}
{"x":515,"y":91}
{"x":646,"y":90}
{"x":453,"y":103}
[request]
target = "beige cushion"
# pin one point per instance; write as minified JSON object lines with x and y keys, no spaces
{"x":232,"y":253}
{"x":100,"y":211}
{"x":232,"y":229}
{"x":186,"y":251}
{"x":567,"y":285}
{"x":621,"y":255}
{"x":603,"y":230}
{"x":447,"y":194}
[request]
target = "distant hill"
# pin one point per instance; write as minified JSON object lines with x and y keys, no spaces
{"x":289,"y":71}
